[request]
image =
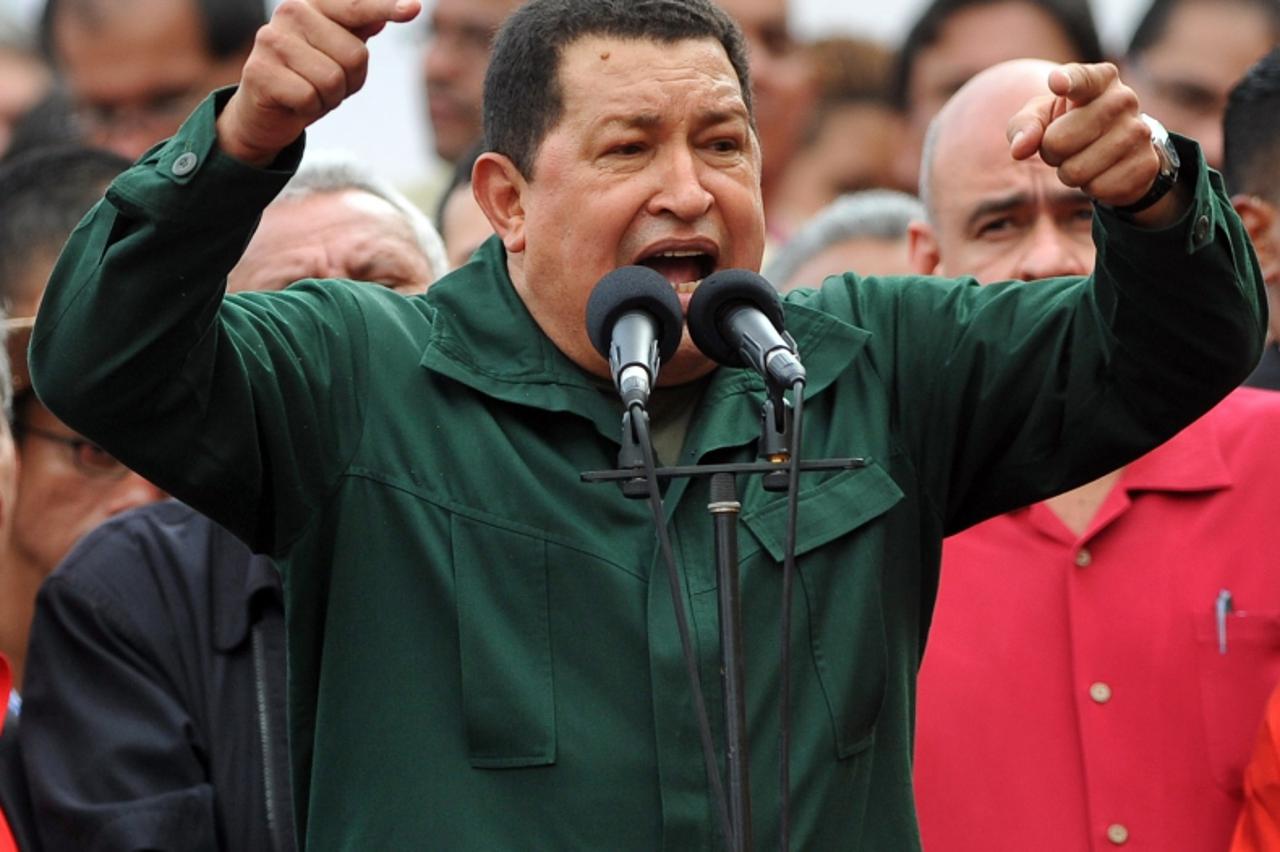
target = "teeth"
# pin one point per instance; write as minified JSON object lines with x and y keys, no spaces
{"x":688,"y":286}
{"x":680,"y":253}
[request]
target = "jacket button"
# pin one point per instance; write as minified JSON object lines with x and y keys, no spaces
{"x":1201,"y":229}
{"x":1118,"y":834}
{"x":185,"y":164}
{"x":1100,"y":692}
{"x":1084,"y":558}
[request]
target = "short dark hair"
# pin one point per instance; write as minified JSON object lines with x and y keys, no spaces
{"x":1251,"y":131}
{"x":1073,"y":16}
{"x":43,"y":195}
{"x":522,"y":95}
{"x":1154,"y":23}
{"x":228,"y":25}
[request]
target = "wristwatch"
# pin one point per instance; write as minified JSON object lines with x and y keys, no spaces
{"x":1168,"y":174}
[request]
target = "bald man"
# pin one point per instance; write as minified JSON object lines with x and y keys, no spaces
{"x":1098,"y":663}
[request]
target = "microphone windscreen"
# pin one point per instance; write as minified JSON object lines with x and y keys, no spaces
{"x":631,"y":288}
{"x":716,"y":293}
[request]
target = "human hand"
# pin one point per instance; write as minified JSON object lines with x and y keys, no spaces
{"x":308,"y":59}
{"x":1091,"y":130}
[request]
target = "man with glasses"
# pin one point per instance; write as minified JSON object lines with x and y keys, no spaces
{"x":135,"y":70}
{"x":66,"y":485}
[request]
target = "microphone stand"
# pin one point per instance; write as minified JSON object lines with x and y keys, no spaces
{"x":724,"y":508}
{"x":774,"y":448}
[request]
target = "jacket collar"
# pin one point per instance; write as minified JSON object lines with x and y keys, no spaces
{"x":483,"y":336}
{"x":1190,"y":461}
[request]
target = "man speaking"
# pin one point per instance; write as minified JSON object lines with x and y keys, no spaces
{"x":482,"y":649}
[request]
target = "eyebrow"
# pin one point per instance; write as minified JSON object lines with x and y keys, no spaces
{"x":1006,"y":203}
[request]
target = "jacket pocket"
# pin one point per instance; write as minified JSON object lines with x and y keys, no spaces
{"x":1234,"y":688}
{"x":839,"y":583}
{"x":504,"y":643}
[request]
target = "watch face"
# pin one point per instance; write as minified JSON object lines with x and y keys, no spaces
{"x":1171,"y":152}
{"x":1169,"y":160}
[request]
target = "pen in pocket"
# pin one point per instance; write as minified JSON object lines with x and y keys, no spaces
{"x":1221,"y":608}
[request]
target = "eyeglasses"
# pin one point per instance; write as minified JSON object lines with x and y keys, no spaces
{"x":87,"y":457}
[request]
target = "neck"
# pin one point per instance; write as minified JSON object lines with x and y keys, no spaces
{"x":1076,"y":508}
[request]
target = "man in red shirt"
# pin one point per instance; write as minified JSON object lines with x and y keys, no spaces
{"x":1098,"y":663}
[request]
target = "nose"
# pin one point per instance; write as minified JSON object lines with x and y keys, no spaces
{"x":441,"y":59}
{"x":130,"y":492}
{"x":680,"y":191}
{"x":1050,"y":252}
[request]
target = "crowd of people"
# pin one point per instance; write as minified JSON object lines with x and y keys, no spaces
{"x":294,"y":548}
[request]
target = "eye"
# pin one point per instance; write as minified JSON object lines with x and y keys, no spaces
{"x":626,"y":149}
{"x":92,"y":458}
{"x":777,"y":41}
{"x":998,"y":226}
{"x":1083,"y":216}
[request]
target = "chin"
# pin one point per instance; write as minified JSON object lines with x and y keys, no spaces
{"x":689,"y":364}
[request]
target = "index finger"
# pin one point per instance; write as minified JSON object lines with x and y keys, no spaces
{"x":1081,"y":82}
{"x":367,"y":15}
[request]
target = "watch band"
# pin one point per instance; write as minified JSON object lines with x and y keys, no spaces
{"x":1166,"y":178}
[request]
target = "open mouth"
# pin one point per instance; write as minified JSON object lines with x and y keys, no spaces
{"x":685,"y":269}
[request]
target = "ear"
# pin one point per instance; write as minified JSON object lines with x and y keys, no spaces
{"x":500,"y":190}
{"x":1259,"y":218}
{"x":923,"y":254}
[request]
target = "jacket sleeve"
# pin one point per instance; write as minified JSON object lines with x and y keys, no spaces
{"x":246,"y":408}
{"x":1011,"y":392}
{"x":112,"y":754}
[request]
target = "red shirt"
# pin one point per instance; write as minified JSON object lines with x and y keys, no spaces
{"x":1073,"y":694}
{"x":6,"y":683}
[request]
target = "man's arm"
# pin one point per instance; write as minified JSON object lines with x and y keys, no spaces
{"x":1034,"y":388}
{"x":233,"y":407}
{"x":1010,"y":393}
{"x":1049,"y":387}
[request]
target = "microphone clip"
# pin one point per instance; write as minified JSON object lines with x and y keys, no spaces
{"x":776,"y":436}
{"x":631,"y":455}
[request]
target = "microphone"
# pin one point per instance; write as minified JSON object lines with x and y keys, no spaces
{"x":735,"y":318}
{"x":634,"y":320}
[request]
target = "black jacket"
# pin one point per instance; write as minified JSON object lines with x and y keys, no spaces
{"x":154,"y":703}
{"x":1267,"y":374}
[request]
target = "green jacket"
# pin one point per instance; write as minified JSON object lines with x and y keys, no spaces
{"x":482,"y":648}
